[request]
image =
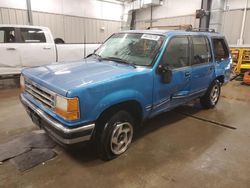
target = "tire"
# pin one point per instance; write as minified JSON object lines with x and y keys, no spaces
{"x":114,"y":135}
{"x":211,"y":98}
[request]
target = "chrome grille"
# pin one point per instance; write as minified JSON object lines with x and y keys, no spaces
{"x":40,"y":94}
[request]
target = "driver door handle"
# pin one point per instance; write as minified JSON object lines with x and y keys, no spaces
{"x":10,"y":49}
{"x":47,"y":48}
{"x":187,"y":74}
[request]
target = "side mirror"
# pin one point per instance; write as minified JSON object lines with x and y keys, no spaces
{"x":166,"y":74}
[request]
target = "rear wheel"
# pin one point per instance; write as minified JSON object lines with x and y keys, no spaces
{"x":211,"y":98}
{"x":114,"y":135}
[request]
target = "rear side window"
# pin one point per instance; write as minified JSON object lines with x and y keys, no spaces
{"x":177,"y":53}
{"x":201,"y":50}
{"x":32,"y":35}
{"x":220,"y":49}
{"x":7,"y":35}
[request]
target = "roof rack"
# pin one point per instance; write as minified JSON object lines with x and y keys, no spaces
{"x":200,"y":29}
{"x":170,"y":27}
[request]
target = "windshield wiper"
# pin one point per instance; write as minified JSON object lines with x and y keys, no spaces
{"x":119,"y":60}
{"x":94,"y":54}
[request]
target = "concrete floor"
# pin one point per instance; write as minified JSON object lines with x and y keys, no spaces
{"x":207,"y":148}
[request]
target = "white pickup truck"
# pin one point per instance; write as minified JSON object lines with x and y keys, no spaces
{"x":27,"y":46}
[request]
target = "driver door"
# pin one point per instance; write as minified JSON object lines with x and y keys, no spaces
{"x":176,"y":58}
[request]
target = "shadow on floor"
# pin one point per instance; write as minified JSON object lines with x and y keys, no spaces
{"x":86,"y":154}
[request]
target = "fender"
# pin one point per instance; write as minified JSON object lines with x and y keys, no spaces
{"x":119,"y":97}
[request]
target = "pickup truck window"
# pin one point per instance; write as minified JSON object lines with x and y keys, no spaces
{"x":32,"y":35}
{"x":7,"y":35}
{"x":201,"y":50}
{"x":176,"y":54}
{"x":220,"y":49}
{"x":1,"y":36}
{"x":136,"y":48}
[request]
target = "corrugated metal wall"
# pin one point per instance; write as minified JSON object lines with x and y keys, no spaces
{"x":231,"y":26}
{"x":71,"y":28}
{"x":13,"y":16}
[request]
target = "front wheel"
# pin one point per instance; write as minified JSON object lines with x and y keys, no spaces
{"x":211,"y":98}
{"x":115,"y":135}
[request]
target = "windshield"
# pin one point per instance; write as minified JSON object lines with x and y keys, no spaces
{"x":134,"y":48}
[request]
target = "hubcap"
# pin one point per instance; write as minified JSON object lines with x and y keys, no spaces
{"x":121,"y":137}
{"x":215,"y":94}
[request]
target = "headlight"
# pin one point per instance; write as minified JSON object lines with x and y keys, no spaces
{"x":22,"y":83}
{"x":67,"y":108}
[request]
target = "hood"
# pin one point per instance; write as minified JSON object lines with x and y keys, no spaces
{"x":62,"y":77}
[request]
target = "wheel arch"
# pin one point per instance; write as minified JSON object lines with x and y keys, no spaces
{"x":221,"y":79}
{"x":131,"y":106}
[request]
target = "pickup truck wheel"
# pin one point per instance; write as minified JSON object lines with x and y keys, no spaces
{"x":116,"y":135}
{"x":211,"y":98}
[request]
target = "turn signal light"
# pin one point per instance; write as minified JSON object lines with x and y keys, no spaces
{"x":67,"y":108}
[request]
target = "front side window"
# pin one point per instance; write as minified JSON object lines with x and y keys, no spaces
{"x":220,"y":49}
{"x":136,"y":48}
{"x":32,"y":35}
{"x":201,"y":50}
{"x":7,"y":35}
{"x":176,"y":54}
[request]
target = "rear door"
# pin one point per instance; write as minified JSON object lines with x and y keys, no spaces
{"x":175,"y":57}
{"x":36,"y":47}
{"x":202,"y":65}
{"x":9,"y":49}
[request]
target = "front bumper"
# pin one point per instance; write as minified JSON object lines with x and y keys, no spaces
{"x":59,"y":132}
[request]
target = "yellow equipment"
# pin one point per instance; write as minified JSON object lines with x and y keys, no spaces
{"x":241,"y":59}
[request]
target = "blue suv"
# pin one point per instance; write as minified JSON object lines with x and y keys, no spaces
{"x":133,"y":76}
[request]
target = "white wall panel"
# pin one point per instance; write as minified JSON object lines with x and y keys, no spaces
{"x":232,"y":31}
{"x":5,"y":16}
{"x":171,"y":13}
{"x":50,"y":6}
{"x":12,"y":15}
{"x":18,"y":4}
{"x":247,"y":29}
{"x":1,"y":20}
{"x":21,"y":16}
{"x":111,"y":11}
{"x":170,"y":8}
{"x":80,"y":8}
{"x":236,"y":4}
{"x":70,"y":28}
